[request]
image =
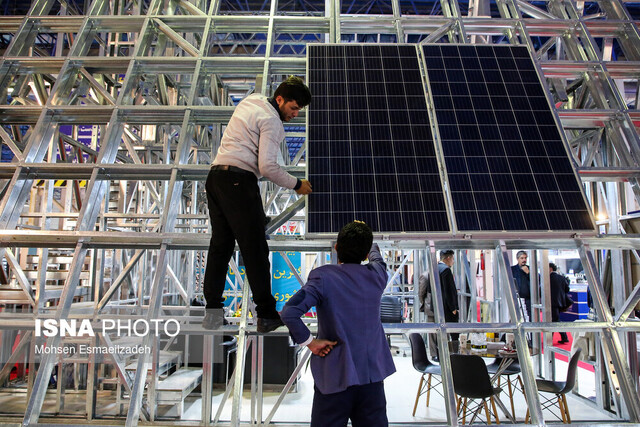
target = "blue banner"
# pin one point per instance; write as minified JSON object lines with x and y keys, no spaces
{"x":283,"y":281}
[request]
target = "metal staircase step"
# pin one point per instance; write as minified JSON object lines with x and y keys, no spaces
{"x":166,"y":360}
{"x":175,"y":388}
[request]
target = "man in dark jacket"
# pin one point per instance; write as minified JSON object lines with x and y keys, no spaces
{"x":522,"y":277}
{"x":559,"y":285}
{"x":449,"y":297}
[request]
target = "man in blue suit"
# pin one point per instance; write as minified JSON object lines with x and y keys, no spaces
{"x":351,"y":356}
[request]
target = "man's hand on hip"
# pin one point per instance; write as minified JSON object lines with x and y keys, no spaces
{"x":305,"y":187}
{"x":321,"y":347}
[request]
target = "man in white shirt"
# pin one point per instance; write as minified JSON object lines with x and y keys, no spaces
{"x":248,"y":150}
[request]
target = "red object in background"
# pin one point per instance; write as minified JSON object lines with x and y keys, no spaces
{"x":481,"y":260}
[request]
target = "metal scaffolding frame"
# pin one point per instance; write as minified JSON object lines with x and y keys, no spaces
{"x":111,"y":113}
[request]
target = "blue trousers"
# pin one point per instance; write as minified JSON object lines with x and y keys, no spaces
{"x":365,"y":405}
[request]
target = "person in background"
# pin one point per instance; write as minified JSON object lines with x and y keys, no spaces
{"x":559,"y":287}
{"x":522,"y":277}
{"x":249,"y":148}
{"x":351,"y":357}
{"x":449,"y":297}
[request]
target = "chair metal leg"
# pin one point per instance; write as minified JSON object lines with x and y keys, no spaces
{"x":495,"y":410}
{"x":458,"y":401}
{"x":428,"y":389}
{"x":486,"y":410}
{"x":526,"y":417}
{"x":415,"y":405}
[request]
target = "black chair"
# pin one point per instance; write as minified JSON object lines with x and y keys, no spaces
{"x":422,"y":364}
{"x":514,"y":381}
{"x":391,"y":309}
{"x":391,"y":312}
{"x":471,"y":381}
{"x":559,"y":390}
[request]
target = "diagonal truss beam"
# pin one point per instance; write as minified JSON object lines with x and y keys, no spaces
{"x":22,"y":279}
{"x":119,"y":280}
{"x":25,"y":340}
{"x":286,"y":215}
{"x":629,"y":304}
{"x":11,"y":144}
{"x":176,"y":38}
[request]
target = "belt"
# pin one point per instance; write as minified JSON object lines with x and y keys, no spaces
{"x":231,"y":169}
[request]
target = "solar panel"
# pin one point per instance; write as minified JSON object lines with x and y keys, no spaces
{"x":370,"y":148}
{"x":506,"y":163}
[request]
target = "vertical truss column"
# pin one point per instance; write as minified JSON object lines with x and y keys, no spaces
{"x":617,"y":368}
{"x":266,"y":72}
{"x":335,"y":29}
{"x":94,"y":195}
{"x":397,"y":22}
{"x":524,"y":356}
{"x":241,"y":355}
{"x":149,"y":341}
{"x":34,"y":404}
{"x":443,"y":347}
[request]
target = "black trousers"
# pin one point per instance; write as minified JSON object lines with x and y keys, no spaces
{"x":433,"y":340}
{"x":555,"y":317}
{"x":365,"y":405}
{"x":236,"y":212}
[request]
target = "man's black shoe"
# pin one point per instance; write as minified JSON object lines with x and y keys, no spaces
{"x":268,"y":325}
{"x":214,"y":319}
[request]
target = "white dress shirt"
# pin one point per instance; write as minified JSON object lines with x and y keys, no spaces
{"x":252,"y":141}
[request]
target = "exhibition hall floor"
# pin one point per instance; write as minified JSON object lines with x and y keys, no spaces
{"x":296,"y":408}
{"x":401,"y":390}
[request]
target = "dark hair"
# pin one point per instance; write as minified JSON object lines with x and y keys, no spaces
{"x":354,"y":242}
{"x":294,"y":89}
{"x":521,"y":253}
{"x":445,"y":253}
{"x":553,"y":267}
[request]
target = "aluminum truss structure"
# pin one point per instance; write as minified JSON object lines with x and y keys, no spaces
{"x":111,"y":113}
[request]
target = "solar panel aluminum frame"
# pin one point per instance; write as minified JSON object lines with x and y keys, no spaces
{"x":387,"y":235}
{"x":509,"y":234}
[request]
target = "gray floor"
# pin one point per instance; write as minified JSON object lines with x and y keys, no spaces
{"x":400,"y":388}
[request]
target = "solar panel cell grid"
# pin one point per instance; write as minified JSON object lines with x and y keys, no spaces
{"x":506,"y":164}
{"x":371,"y":152}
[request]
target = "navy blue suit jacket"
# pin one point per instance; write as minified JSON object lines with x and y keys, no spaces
{"x":347,"y":300}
